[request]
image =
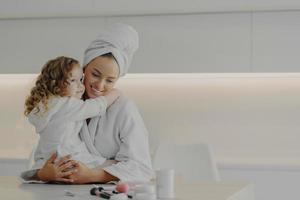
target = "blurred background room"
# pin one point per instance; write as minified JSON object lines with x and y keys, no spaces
{"x":245,"y":55}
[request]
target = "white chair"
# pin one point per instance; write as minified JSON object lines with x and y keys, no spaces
{"x":193,"y":162}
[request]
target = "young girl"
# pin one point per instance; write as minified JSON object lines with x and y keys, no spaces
{"x":56,"y":110}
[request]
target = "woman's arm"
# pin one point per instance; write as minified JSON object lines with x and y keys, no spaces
{"x":133,"y":158}
{"x":133,"y":155}
{"x":86,"y":175}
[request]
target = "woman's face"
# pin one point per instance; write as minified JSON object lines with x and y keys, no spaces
{"x":100,"y":76}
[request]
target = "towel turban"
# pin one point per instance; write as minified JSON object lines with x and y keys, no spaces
{"x":119,"y":39}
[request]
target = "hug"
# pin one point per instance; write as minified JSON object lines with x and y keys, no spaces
{"x":89,"y":131}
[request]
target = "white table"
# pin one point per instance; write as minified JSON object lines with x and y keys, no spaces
{"x":11,"y":188}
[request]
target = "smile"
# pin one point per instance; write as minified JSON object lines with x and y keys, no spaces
{"x":96,"y":91}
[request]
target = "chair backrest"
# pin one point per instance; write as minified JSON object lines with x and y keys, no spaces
{"x":193,"y":162}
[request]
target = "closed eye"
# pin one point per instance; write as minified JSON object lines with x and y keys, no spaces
{"x":96,"y":75}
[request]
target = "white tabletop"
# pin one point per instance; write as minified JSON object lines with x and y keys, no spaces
{"x":11,"y":188}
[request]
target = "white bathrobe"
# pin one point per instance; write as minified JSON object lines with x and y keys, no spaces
{"x":59,"y":129}
{"x":120,"y":134}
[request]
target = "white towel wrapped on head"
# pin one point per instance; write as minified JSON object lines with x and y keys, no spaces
{"x":119,"y":39}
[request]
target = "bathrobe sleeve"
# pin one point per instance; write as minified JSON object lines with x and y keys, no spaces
{"x":78,"y":110}
{"x":133,"y":154}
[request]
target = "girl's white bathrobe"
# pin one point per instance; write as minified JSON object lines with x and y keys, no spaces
{"x":59,"y":129}
{"x":120,"y":134}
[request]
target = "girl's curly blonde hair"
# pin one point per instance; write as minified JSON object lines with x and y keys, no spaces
{"x":52,"y":81}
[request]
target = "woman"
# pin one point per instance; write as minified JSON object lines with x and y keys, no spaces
{"x":120,"y":135}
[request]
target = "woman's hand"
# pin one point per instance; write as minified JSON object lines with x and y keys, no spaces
{"x":57,"y":171}
{"x":86,"y":175}
{"x":82,"y":175}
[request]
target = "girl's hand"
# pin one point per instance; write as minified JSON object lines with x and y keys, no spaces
{"x":112,"y":96}
{"x":57,"y":171}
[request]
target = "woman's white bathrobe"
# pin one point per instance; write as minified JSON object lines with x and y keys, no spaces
{"x":120,"y":134}
{"x":59,"y":129}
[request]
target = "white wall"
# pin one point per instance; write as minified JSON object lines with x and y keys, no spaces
{"x":207,"y":42}
{"x":189,"y":36}
{"x":250,"y":120}
{"x":11,"y":9}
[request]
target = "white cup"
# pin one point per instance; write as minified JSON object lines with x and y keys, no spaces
{"x":165,"y":183}
{"x":144,"y":188}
